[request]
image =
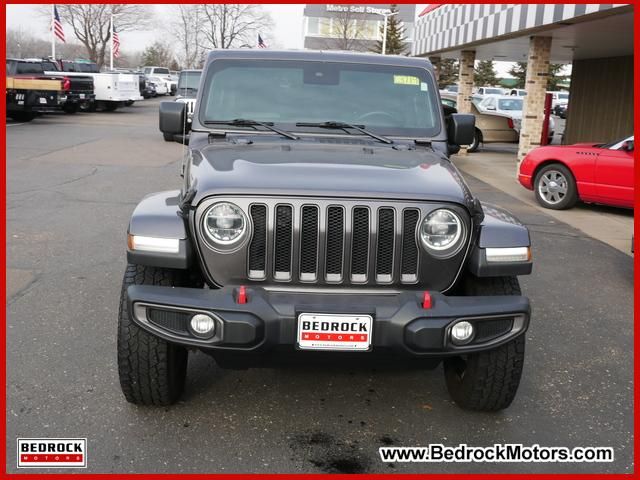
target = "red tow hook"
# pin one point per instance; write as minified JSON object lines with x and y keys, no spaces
{"x":427,"y":301}
{"x":241,"y":296}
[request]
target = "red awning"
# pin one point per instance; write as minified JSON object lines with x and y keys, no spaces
{"x":430,"y":7}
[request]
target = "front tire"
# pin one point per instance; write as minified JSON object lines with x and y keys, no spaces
{"x":555,"y":187}
{"x":151,"y":370}
{"x":168,"y":137}
{"x":487,"y":381}
{"x":477,"y":139}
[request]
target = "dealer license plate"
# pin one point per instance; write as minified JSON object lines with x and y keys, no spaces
{"x":328,"y":331}
{"x":81,"y":96}
{"x":43,"y":100}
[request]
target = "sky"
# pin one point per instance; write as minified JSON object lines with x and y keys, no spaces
{"x":287,"y":32}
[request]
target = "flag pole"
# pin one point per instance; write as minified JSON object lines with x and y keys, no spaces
{"x":111,"y":63}
{"x":53,"y":33}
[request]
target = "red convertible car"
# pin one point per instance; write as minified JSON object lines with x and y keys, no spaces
{"x":594,"y":173}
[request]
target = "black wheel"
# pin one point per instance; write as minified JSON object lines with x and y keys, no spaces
{"x":22,"y":116}
{"x":487,"y":381}
{"x":151,"y":370}
{"x":110,"y":106}
{"x":168,"y":137}
{"x":477,"y":140}
{"x":128,"y":103}
{"x":555,"y":187}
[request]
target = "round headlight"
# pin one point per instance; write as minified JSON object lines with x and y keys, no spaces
{"x":441,"y":230}
{"x":225,"y":223}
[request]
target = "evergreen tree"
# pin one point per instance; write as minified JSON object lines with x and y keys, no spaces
{"x":448,"y":72}
{"x":485,"y":74}
{"x":555,"y":77}
{"x":519,"y":72}
{"x":396,"y":41}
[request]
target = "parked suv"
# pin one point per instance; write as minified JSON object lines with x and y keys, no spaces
{"x":320,"y":219}
{"x":162,"y":74}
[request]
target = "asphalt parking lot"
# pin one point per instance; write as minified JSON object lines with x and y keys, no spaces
{"x":72,"y":184}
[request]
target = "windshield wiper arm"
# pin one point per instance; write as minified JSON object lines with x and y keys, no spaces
{"x":243,"y":122}
{"x":344,"y":126}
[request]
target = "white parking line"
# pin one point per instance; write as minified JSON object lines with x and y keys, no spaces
{"x":15,"y":124}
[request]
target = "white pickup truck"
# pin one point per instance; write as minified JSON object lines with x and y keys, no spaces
{"x":112,"y":89}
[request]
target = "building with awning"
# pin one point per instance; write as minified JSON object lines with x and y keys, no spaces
{"x":596,"y":39}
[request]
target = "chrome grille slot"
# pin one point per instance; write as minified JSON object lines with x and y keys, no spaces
{"x":283,"y":242}
{"x":258,"y":246}
{"x":334,"y":244}
{"x":309,"y":243}
{"x":385,"y":247}
{"x":409,"y":266}
{"x":360,"y":232}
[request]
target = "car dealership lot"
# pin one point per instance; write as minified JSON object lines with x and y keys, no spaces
{"x":72,"y":183}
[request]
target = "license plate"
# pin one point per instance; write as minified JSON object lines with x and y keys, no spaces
{"x":328,"y":331}
{"x":43,"y":100}
{"x":82,"y":96}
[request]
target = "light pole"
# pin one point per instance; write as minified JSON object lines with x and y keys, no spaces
{"x":384,"y":30}
{"x":111,"y":27}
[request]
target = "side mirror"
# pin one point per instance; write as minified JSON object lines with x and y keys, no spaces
{"x":461,"y":128}
{"x":491,"y":107}
{"x":173,"y":118}
{"x":628,"y":146}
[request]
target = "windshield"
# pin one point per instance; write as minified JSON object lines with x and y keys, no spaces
{"x":29,"y":67}
{"x":510,"y":104}
{"x":189,"y":80}
{"x":563,"y":96}
{"x":387,"y":100}
{"x":87,"y":67}
{"x":493,"y":91}
{"x":161,"y":71}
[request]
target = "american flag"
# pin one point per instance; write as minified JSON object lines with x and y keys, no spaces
{"x":261,"y":43}
{"x":57,"y":25}
{"x":116,"y":43}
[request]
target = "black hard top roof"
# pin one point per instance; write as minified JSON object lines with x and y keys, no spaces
{"x":319,"y":56}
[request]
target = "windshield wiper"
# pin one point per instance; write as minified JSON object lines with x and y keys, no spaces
{"x":344,"y":126}
{"x":243,"y":122}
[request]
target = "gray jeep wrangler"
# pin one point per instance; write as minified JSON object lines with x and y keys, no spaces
{"x":320,"y":220}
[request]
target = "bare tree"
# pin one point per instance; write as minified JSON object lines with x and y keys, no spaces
{"x":346,"y":31}
{"x":233,"y":25}
{"x":91,"y":23}
{"x":187,"y":29}
{"x":23,"y":44}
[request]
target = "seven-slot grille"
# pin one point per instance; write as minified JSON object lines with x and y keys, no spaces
{"x":333,"y":244}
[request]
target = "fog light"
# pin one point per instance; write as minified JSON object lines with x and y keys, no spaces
{"x":203,"y":325}
{"x":461,"y":332}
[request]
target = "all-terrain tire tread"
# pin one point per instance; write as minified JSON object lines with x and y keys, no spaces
{"x":151,"y":370}
{"x":491,"y":378}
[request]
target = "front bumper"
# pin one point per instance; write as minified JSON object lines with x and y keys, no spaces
{"x":526,"y":181}
{"x":268,"y":321}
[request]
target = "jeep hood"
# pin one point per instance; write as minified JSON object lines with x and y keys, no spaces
{"x":325,"y":168}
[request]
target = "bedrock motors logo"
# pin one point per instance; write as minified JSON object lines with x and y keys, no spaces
{"x":52,"y":453}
